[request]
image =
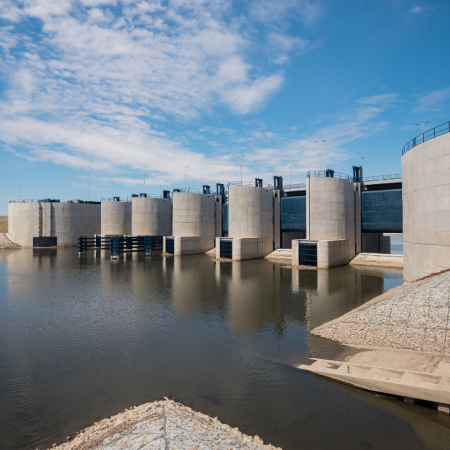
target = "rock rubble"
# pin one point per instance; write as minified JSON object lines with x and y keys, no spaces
{"x":161,"y":425}
{"x":413,"y":316}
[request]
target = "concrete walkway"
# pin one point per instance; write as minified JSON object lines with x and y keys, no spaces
{"x":413,"y":316}
{"x":161,"y":425}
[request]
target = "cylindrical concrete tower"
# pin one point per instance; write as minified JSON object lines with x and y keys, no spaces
{"x":193,"y":215}
{"x":330,"y":209}
{"x":116,"y":218}
{"x":151,"y":216}
{"x":72,"y":220}
{"x":426,"y":208}
{"x":250,"y":212}
{"x":65,"y":221}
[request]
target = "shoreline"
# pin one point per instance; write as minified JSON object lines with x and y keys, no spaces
{"x":161,"y":425}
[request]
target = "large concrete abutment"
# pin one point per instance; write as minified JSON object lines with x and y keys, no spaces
{"x":331,"y":220}
{"x":65,"y":221}
{"x":250,"y":223}
{"x":194,"y":224}
{"x":116,"y":218}
{"x":426,"y":208}
{"x":151,"y":216}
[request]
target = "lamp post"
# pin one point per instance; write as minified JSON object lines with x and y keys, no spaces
{"x":113,"y":191}
{"x":240,"y":157}
{"x":320,"y":153}
{"x":421,"y":127}
{"x":185,"y":177}
{"x":290,"y":177}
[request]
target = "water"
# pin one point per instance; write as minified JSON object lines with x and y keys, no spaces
{"x":83,"y":339}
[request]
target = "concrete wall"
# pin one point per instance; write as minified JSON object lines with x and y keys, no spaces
{"x":376,"y":243}
{"x":194,"y":216}
{"x":250,"y":212}
{"x":330,"y":253}
{"x":330,"y":214}
{"x":251,"y":215}
{"x":116,"y":218}
{"x":426,"y":208}
{"x":66,"y":221}
{"x":23,"y":222}
{"x":151,"y":216}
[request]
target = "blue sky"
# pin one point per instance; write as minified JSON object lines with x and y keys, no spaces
{"x":96,"y":91}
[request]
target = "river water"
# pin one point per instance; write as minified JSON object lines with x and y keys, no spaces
{"x":83,"y":338}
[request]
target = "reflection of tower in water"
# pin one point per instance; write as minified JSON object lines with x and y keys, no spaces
{"x":254,"y":297}
{"x":338,"y":291}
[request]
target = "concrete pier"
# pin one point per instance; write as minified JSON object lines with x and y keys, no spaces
{"x":116,"y":218}
{"x":250,"y":222}
{"x":426,"y":208}
{"x":65,"y":221}
{"x":194,"y":224}
{"x":330,"y":221}
{"x":151,"y":216}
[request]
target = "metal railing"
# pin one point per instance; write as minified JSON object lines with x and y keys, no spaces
{"x":426,"y":136}
{"x":290,"y":186}
{"x":23,"y":200}
{"x":115,"y":199}
{"x":383,"y":177}
{"x":248,"y":183}
{"x":323,"y":173}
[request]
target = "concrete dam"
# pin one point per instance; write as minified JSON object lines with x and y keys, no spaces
{"x":326,"y":222}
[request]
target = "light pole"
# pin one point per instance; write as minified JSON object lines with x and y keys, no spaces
{"x":320,"y":153}
{"x":240,"y":157}
{"x":185,"y":177}
{"x":113,"y":191}
{"x":290,"y":177}
{"x":144,"y":181}
{"x":421,"y":127}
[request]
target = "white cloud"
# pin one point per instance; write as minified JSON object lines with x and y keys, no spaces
{"x":418,"y":9}
{"x":434,"y":101}
{"x":275,"y":11}
{"x":90,"y":90}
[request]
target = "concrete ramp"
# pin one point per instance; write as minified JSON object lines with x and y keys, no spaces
{"x":378,"y":259}
{"x":404,"y":383}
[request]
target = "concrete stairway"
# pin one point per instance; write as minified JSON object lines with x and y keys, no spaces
{"x":405,"y":383}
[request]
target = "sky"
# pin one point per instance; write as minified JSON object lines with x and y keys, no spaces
{"x":99,"y":96}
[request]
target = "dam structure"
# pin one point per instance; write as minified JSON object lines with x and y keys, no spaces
{"x":151,"y":216}
{"x":426,"y":203}
{"x":116,"y":217}
{"x":250,"y":222}
{"x":331,"y":221}
{"x":194,"y":223}
{"x":45,"y":223}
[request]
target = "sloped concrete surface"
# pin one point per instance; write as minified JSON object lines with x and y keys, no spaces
{"x":5,"y":242}
{"x":413,"y":316}
{"x":161,"y":425}
{"x":377,"y":259}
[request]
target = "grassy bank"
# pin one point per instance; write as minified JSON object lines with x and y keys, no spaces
{"x":3,"y":224}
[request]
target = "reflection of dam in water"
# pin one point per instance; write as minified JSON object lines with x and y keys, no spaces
{"x":107,"y":334}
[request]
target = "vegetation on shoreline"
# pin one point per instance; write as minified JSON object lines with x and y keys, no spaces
{"x":3,"y":224}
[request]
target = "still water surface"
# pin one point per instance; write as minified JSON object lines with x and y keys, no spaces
{"x":84,"y":338}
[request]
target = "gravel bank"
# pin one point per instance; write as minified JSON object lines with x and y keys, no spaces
{"x":161,"y":425}
{"x":413,"y":316}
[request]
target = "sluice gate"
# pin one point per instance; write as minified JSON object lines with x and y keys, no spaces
{"x":120,"y":244}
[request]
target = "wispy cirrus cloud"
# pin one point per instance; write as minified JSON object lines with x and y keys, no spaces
{"x":434,"y":101}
